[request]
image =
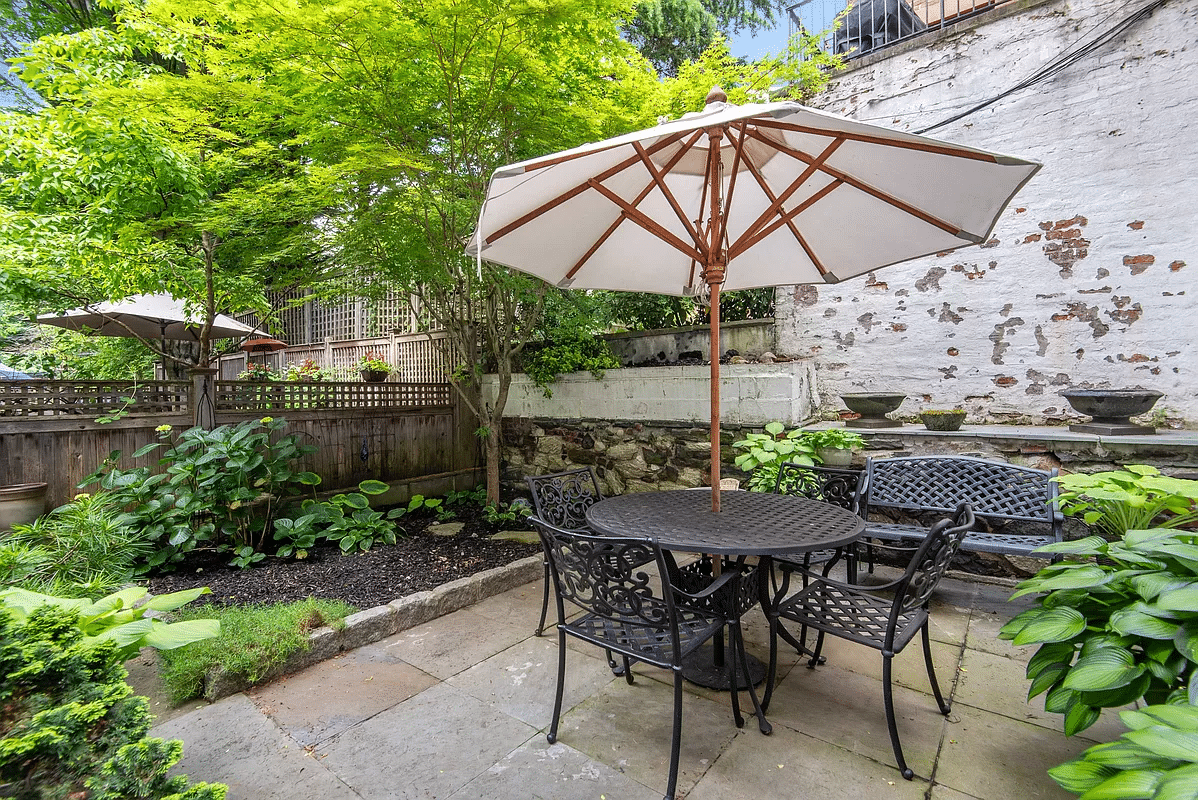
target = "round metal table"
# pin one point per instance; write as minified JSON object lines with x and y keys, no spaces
{"x":748,"y":524}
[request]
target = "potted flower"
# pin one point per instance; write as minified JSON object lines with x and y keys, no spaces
{"x":304,"y":371}
{"x":940,"y":419}
{"x":259,"y":373}
{"x":834,"y":446}
{"x":374,"y":367}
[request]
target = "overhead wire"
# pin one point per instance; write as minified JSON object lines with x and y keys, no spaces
{"x":1058,"y":64}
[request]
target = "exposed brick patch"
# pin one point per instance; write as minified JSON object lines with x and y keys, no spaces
{"x":1126,"y":311}
{"x":1138,"y":263}
{"x":1085,"y":313}
{"x":993,"y":242}
{"x":1032,"y":237}
{"x":1176,"y":266}
{"x":1099,"y":290}
{"x":1135,"y":358}
{"x":1041,"y":341}
{"x":949,"y":373}
{"x":1005,"y":380}
{"x":866,"y":321}
{"x":898,"y":327}
{"x":948,"y":315}
{"x":845,"y":340}
{"x":1137,"y":225}
{"x":931,"y":280}
{"x":805,"y":295}
{"x":1065,"y":245}
{"x":1020,"y":210}
{"x":1006,"y":310}
{"x":999,"y":335}
{"x":829,"y":312}
{"x":952,"y":351}
{"x":971,"y":271}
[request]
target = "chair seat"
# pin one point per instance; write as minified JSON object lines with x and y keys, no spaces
{"x":978,"y":541}
{"x":857,"y":616}
{"x":807,"y":559}
{"x":636,"y":640}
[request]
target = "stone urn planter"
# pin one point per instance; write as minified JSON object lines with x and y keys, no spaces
{"x":21,"y":503}
{"x":835,"y":456}
{"x":1112,"y":409}
{"x":943,"y":420}
{"x":873,"y":408}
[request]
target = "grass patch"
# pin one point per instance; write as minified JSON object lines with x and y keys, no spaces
{"x":253,"y":639}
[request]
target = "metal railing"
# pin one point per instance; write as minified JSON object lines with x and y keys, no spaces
{"x":855,"y":29}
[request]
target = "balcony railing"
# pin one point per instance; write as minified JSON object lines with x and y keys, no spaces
{"x":867,"y":26}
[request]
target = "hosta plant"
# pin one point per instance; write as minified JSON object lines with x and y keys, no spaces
{"x":1133,"y":498}
{"x":1115,"y":630}
{"x":1156,"y":758}
{"x":762,"y":453}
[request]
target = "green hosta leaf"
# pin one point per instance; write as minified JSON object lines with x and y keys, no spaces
{"x":1050,"y":654}
{"x":1078,"y":776}
{"x":1182,"y":599}
{"x":1089,"y":546}
{"x":1080,"y":716}
{"x":1178,"y":784}
{"x":307,"y":478}
{"x":1166,"y":742}
{"x":1186,"y":640}
{"x":1122,"y":696}
{"x":372,"y":487}
{"x":126,"y":634}
{"x":1175,"y":716}
{"x":1123,"y":756}
{"x":355,"y":500}
{"x":169,"y":602}
{"x":1069,"y":576}
{"x":1151,"y":584}
{"x":178,"y":634}
{"x":1107,"y":668}
{"x":1047,"y":678}
{"x":1165,"y":671}
{"x":1130,"y":785}
{"x":1052,"y":625}
{"x":1059,"y":700}
{"x":1135,"y":621}
{"x":774,"y":428}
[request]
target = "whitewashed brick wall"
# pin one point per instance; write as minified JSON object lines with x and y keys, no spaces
{"x":1091,"y":278}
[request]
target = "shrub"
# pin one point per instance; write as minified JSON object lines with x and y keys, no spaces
{"x":71,"y":727}
{"x":253,"y":639}
{"x":80,"y":548}
{"x":547,"y":362}
{"x":1116,"y":631}
{"x":221,"y":488}
{"x":1130,"y":499}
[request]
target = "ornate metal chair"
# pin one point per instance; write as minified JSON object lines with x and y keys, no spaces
{"x":623,"y":614}
{"x":562,"y":499}
{"x":841,"y":487}
{"x":884,"y":617}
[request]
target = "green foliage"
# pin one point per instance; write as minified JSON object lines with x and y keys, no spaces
{"x":71,"y":727}
{"x":80,"y":548}
{"x":258,"y":371}
{"x":253,"y":640}
{"x":835,"y":438}
{"x":304,"y":371}
{"x":349,"y":520}
{"x":373,"y":361}
{"x":546,"y":362}
{"x":1133,"y":498}
{"x":762,"y":454}
{"x":117,"y":619}
{"x":505,"y":513}
{"x":1115,"y":631}
{"x":221,"y":488}
{"x":671,"y":32}
{"x":1156,"y":758}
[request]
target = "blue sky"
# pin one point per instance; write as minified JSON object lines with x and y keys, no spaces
{"x":754,"y":48}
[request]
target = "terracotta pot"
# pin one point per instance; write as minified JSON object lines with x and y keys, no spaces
{"x":21,"y":504}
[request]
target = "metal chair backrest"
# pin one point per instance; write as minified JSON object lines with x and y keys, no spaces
{"x":562,"y":498}
{"x":931,"y":561}
{"x":841,"y":487}
{"x":600,"y":575}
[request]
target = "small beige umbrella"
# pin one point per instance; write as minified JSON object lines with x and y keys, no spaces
{"x":736,"y":197}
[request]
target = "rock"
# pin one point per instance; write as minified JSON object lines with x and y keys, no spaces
{"x":445,"y":528}
{"x":767,"y":357}
{"x":524,"y":537}
{"x":738,"y":360}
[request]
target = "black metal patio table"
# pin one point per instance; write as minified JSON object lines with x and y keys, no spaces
{"x":748,"y":524}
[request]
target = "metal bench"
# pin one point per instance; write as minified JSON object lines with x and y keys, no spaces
{"x":997,"y":492}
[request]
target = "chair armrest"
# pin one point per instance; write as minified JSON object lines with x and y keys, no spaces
{"x":716,"y":585}
{"x":852,"y":587}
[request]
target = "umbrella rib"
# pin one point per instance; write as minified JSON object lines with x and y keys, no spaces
{"x":926,"y":147}
{"x":640,"y":219}
{"x":775,"y":207}
{"x":577,"y":190}
{"x":789,"y":220}
{"x":743,"y":244}
{"x":665,"y":190}
{"x":620,"y":219}
{"x":889,"y":199}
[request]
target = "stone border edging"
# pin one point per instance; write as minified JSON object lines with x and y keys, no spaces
{"x":373,"y":624}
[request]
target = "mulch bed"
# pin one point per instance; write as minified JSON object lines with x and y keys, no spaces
{"x":417,"y":562}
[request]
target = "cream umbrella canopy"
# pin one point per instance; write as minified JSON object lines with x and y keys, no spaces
{"x":737,"y":197}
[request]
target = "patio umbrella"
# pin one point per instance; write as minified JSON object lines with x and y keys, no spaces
{"x":147,"y":316}
{"x":736,"y":197}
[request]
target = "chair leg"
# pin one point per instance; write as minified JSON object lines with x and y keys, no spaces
{"x":927,"y":660}
{"x":544,"y":601}
{"x":772,"y":671}
{"x":676,"y":738}
{"x":888,"y":698}
{"x":738,"y":637}
{"x":626,"y":671}
{"x":815,"y":654}
{"x":561,"y":685}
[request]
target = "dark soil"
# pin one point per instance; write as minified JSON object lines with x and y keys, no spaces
{"x":417,"y":562}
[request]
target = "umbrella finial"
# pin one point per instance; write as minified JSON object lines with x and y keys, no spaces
{"x":716,"y":95}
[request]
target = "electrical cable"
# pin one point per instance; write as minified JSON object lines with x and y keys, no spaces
{"x":1058,"y":64}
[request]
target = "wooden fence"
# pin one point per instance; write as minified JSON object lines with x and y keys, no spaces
{"x":390,"y":431}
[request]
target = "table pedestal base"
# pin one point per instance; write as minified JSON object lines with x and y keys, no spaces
{"x":700,"y":669}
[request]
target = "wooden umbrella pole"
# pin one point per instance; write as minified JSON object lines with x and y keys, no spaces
{"x":714,"y":277}
{"x":715,"y":398}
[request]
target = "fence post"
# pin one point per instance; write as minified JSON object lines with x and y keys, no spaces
{"x":203,"y":398}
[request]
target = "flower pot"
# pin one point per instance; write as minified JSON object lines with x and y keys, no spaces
{"x":942,"y":420}
{"x":1111,"y":409}
{"x":21,"y":504}
{"x":835,"y":456}
{"x":873,"y":408}
{"x":375,"y":375}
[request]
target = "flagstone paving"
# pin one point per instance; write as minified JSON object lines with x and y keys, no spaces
{"x":457,"y":708}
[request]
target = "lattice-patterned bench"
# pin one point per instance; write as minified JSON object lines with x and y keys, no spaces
{"x":998,"y":493}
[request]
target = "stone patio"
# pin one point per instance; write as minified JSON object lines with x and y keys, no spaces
{"x":458,"y":707}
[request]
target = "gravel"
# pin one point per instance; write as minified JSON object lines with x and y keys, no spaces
{"x":419,"y":561}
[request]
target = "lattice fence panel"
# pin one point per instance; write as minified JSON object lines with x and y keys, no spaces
{"x":297,"y":395}
{"x":91,"y":398}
